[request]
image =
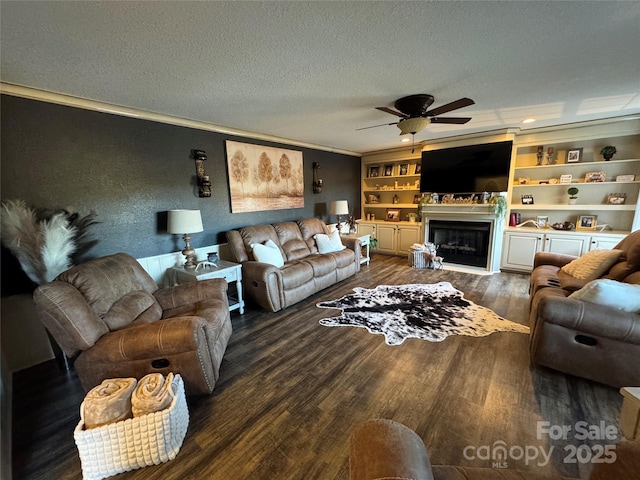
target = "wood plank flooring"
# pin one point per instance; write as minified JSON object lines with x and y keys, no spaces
{"x":292,"y":390}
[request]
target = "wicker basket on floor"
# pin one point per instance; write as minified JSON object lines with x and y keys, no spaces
{"x":134,"y":443}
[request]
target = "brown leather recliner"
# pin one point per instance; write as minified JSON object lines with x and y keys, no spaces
{"x":581,"y":338}
{"x":111,"y":312}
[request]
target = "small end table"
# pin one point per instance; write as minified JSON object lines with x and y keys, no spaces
{"x":630,"y":414}
{"x":365,"y":242}
{"x":229,"y":271}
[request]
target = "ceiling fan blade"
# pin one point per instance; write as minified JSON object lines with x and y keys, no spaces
{"x":375,"y":126}
{"x":454,"y":120}
{"x":392,"y":112}
{"x":463,"y":102}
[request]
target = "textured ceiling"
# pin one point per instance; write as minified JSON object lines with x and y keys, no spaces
{"x":314,"y":71}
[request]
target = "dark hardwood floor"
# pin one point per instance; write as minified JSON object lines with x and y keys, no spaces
{"x":292,"y":390}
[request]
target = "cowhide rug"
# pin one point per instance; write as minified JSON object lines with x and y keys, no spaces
{"x":428,"y":311}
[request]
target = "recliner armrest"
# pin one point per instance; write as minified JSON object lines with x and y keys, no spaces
{"x":351,"y":243}
{"x":589,"y":318}
{"x":191,"y":293}
{"x":556,"y":259}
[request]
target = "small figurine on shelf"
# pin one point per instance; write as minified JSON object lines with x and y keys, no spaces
{"x":551,"y":160}
{"x":396,"y":199}
{"x":540,"y":154}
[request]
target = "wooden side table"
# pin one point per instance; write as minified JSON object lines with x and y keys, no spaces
{"x":365,"y":243}
{"x":231,"y":272}
{"x":630,"y":414}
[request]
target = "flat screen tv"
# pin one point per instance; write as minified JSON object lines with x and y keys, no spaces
{"x":474,"y":168}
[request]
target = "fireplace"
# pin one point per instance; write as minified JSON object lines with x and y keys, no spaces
{"x":469,"y":237}
{"x":465,"y":243}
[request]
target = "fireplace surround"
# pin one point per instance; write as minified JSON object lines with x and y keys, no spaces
{"x":468,"y":236}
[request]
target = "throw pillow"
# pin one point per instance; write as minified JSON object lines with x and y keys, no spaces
{"x":610,"y":293}
{"x":268,"y":253}
{"x":592,"y":264}
{"x":329,"y":243}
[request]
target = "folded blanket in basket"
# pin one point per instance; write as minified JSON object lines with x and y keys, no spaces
{"x":153,"y":393}
{"x":109,"y":402}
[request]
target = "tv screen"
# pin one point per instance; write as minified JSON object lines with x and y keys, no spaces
{"x":474,"y":168}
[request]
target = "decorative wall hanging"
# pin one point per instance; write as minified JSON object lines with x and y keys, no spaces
{"x":317,"y":181}
{"x":204,"y":184}
{"x":264,"y":178}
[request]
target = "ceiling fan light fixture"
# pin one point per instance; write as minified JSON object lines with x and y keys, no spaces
{"x":413,"y":125}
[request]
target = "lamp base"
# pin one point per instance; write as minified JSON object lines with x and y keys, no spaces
{"x":189,"y":254}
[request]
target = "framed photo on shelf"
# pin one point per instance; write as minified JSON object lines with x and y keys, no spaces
{"x":566,"y":178}
{"x":617,"y":198}
{"x":416,"y":198}
{"x":587,"y":222}
{"x":592,"y":177}
{"x":527,"y":199}
{"x":374,"y":170}
{"x":542,"y":221}
{"x":418,"y":169}
{"x":404,"y":169}
{"x":388,"y":171}
{"x":625,"y":178}
{"x":574,"y":155}
{"x":393,"y":215}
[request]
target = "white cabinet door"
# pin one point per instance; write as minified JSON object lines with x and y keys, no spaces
{"x":387,"y":238}
{"x":566,"y":244}
{"x":519,"y":249}
{"x":367,"y":229}
{"x":407,"y":236}
{"x":605,"y":242}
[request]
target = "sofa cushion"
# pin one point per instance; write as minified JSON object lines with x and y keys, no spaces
{"x":137,"y":306}
{"x":294,"y":274}
{"x":592,"y":264}
{"x":268,"y":253}
{"x":610,"y":293}
{"x":630,"y":261}
{"x":310,"y":227}
{"x":329,"y":243}
{"x":322,"y":264}
{"x":291,"y":241}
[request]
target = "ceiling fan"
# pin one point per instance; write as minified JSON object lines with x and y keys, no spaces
{"x":415,"y":115}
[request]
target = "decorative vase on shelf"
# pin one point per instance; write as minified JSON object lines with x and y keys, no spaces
{"x":608,"y":152}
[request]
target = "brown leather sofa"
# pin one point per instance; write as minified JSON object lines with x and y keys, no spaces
{"x":385,"y":450}
{"x":305,"y":271}
{"x":581,"y":338}
{"x":111,"y":314}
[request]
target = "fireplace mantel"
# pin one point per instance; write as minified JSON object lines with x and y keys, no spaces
{"x":458,"y":209}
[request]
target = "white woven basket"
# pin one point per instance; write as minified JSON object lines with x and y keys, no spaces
{"x":134,"y":443}
{"x":419,"y":259}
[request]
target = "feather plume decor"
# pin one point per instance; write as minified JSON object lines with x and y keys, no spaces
{"x":22,"y":236}
{"x":58,"y":246}
{"x":46,"y":242}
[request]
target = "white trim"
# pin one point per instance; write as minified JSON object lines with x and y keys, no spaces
{"x":70,"y":101}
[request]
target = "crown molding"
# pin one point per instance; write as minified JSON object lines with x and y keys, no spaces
{"x":71,"y":101}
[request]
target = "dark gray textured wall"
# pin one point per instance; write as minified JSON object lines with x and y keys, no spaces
{"x":131,"y":171}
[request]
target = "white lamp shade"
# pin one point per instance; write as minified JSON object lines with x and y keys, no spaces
{"x":339,"y":207}
{"x":184,"y":221}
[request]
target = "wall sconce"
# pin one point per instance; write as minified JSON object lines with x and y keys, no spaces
{"x":204,"y":184}
{"x":317,"y":182}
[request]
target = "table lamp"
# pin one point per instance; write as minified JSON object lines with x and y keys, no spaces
{"x":339,"y":207}
{"x":185,"y":222}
